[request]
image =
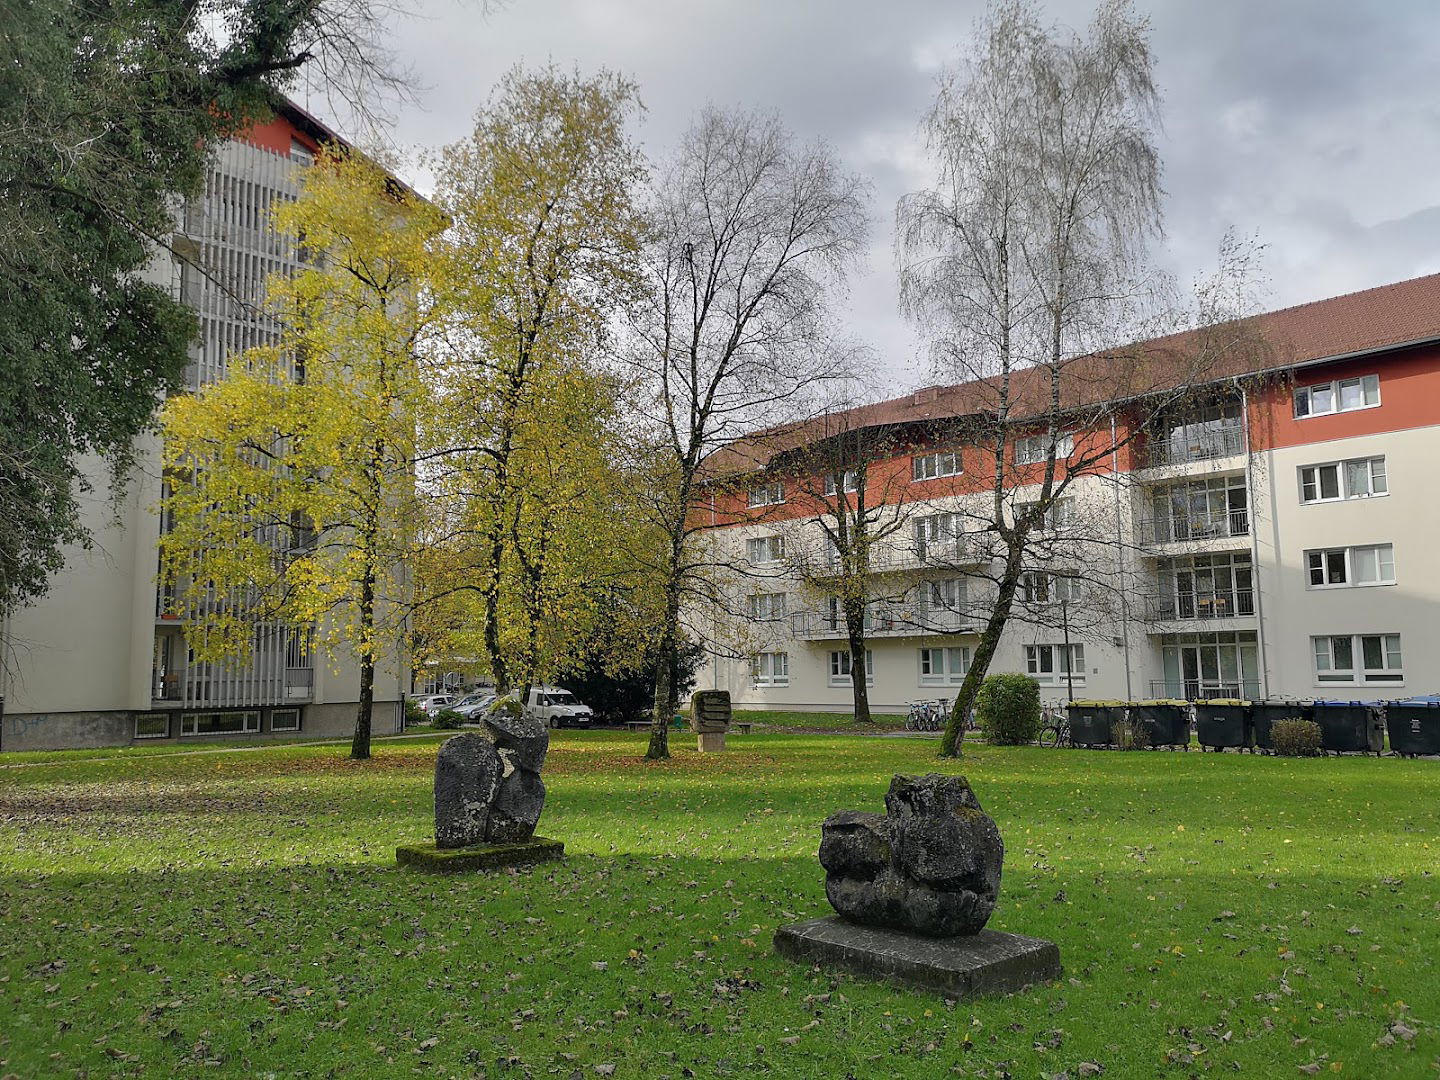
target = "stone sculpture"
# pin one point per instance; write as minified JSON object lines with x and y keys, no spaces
{"x":487,"y":783}
{"x":929,"y":865}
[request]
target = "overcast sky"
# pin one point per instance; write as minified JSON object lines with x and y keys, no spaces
{"x":1311,"y":124}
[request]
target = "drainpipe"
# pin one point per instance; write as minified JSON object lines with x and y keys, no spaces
{"x":1261,"y":658}
{"x":1124,"y":581}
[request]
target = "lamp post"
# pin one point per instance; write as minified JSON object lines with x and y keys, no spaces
{"x":1069,"y":659}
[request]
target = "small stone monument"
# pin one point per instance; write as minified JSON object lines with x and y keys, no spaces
{"x":710,"y":715}
{"x":914,"y":888}
{"x":488,"y":797}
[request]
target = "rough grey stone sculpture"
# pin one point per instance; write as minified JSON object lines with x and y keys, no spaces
{"x":710,"y":711}
{"x":487,"y":784}
{"x":467,"y":776}
{"x":930,"y":864}
{"x":522,"y":743}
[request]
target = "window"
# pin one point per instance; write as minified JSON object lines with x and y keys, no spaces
{"x":770,"y":669}
{"x":1379,"y":656}
{"x":1052,"y":664}
{"x":767,"y":494}
{"x":842,"y":481}
{"x":220,"y":723}
{"x":940,"y":666}
{"x":1216,"y":586}
{"x":154,"y":725}
{"x":1359,"y":478}
{"x":929,"y":466}
{"x":1355,"y":566}
{"x":1343,"y":395}
{"x":942,"y":594}
{"x":1037,"y":587}
{"x":765,"y":549}
{"x":1060,"y":515}
{"x":1199,"y":510}
{"x":937,"y":536}
{"x":284,"y":719}
{"x":1035,"y":448}
{"x":767,"y":606}
{"x":840,"y":668}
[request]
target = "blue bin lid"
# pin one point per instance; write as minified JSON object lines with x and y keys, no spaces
{"x":1432,"y":700}
{"x":1349,"y":704}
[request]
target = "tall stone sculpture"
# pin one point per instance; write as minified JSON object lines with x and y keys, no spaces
{"x":488,"y":796}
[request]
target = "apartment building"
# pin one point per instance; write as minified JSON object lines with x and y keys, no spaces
{"x":102,"y":660}
{"x":1263,"y":537}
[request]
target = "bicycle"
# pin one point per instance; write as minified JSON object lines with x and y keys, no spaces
{"x":1054,"y":726}
{"x":926,"y":715}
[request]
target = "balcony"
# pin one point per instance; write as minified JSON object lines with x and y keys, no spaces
{"x":911,"y":555}
{"x":299,"y":684}
{"x":884,"y":623}
{"x":1180,"y":689}
{"x":1182,"y":447}
{"x":1200,"y":607}
{"x":1194,"y":527}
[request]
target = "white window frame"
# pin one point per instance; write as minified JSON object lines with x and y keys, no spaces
{"x":1045,"y":587}
{"x":1323,"y":560}
{"x":1036,"y":657}
{"x":767,"y":495}
{"x":834,"y":482}
{"x":770,"y":669}
{"x":1059,"y":516}
{"x":934,"y":465}
{"x":249,"y":723}
{"x":1329,"y":672}
{"x":772,"y":545}
{"x":165,"y":716}
{"x":767,"y":607}
{"x":943,"y":666}
{"x":948,"y":531}
{"x":279,"y":714}
{"x":840,"y":667}
{"x":1033,"y":449}
{"x":1374,"y":468}
{"x":1305,"y":396}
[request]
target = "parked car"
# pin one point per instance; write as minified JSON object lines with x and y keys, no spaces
{"x":430,"y":704}
{"x":472,"y":705}
{"x":558,"y":708}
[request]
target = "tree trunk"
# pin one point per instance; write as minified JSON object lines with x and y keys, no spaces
{"x":659,"y":748}
{"x":859,"y":672}
{"x":360,"y":744}
{"x":985,"y":651}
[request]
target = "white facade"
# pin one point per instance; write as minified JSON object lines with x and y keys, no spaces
{"x":1209,"y":575}
{"x":101,"y":659}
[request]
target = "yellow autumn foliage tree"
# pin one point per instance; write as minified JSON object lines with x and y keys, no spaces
{"x":291,"y":494}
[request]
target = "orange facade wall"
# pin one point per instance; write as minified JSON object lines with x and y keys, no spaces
{"x":275,"y":135}
{"x":1409,"y":398}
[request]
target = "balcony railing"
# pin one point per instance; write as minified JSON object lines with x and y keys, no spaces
{"x":1179,"y":448}
{"x":299,"y":684}
{"x":911,"y":555}
{"x":1223,"y":604}
{"x":1181,"y":528}
{"x":1204,"y":689}
{"x":885,"y":622}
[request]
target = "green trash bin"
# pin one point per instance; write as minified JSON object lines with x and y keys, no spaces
{"x":1263,"y":715}
{"x":1167,"y":720}
{"x":1091,"y":722}
{"x":1222,"y":723}
{"x":1350,"y":726}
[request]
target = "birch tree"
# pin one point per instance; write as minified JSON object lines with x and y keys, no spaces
{"x":291,"y":492}
{"x":1027,"y":266}
{"x":540,"y":255}
{"x":751,"y":238}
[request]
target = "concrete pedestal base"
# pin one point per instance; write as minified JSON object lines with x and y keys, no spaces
{"x":707,"y":742}
{"x":989,"y":962}
{"x":479,"y":857}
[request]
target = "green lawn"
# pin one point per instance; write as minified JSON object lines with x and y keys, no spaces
{"x":161,"y":914}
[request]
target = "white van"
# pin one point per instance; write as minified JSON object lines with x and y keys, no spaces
{"x":558,"y":708}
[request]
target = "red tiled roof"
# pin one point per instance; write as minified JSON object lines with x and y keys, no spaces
{"x":1371,"y":320}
